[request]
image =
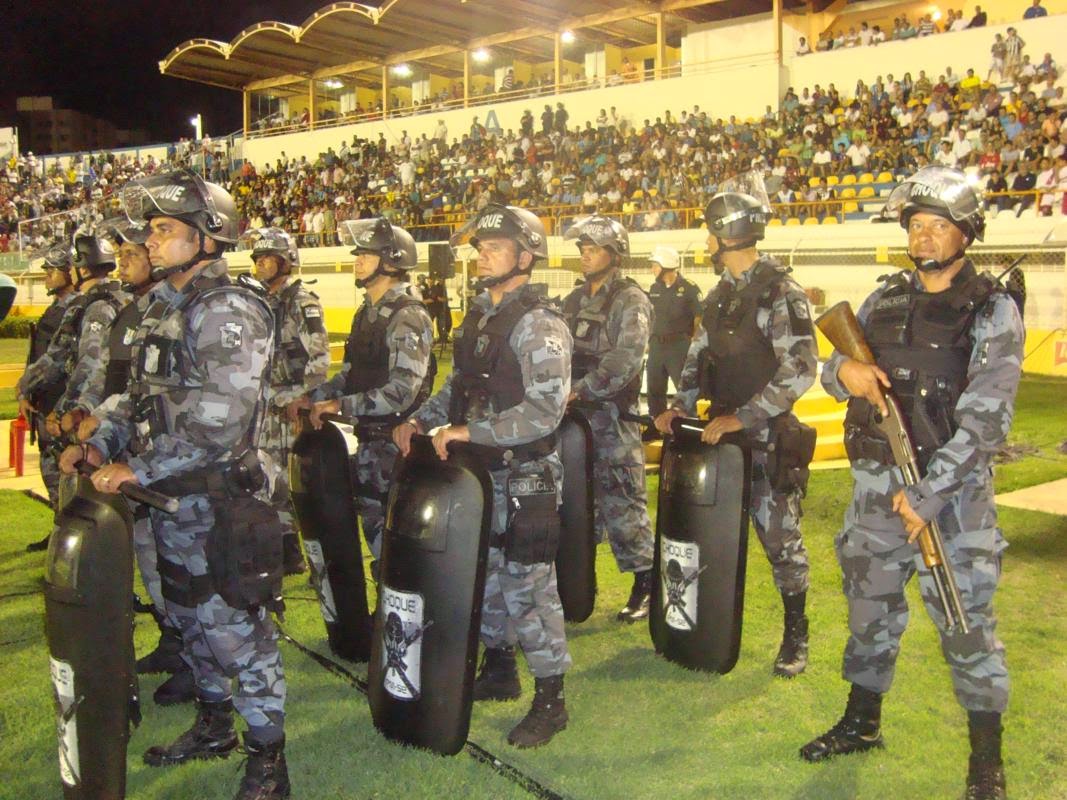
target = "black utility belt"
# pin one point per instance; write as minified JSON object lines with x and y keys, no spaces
{"x":370,"y":429}
{"x":664,"y":338}
{"x":240,"y":478}
{"x":521,"y":453}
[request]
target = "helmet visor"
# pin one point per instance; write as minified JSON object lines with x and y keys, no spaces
{"x":172,"y":195}
{"x":373,"y":235}
{"x":936,"y":188}
{"x":599,"y":230}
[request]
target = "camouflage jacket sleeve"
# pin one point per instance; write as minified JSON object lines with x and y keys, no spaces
{"x":230,"y":338}
{"x":688,"y":389}
{"x":434,"y":412}
{"x":85,"y":387}
{"x":116,"y":425}
{"x":829,"y":370}
{"x":332,"y":388}
{"x":410,"y":339}
{"x":542,"y":342}
{"x":310,"y":327}
{"x":51,"y":367}
{"x":788,"y":327}
{"x":983,"y":412}
{"x":629,"y":323}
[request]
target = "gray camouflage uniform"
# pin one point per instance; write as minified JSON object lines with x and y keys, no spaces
{"x":521,"y":600}
{"x":300,"y":362}
{"x":206,"y":420}
{"x":620,"y":492}
{"x":872,"y":547}
{"x":776,"y":516}
{"x":48,"y":461}
{"x":87,"y":365}
{"x":409,"y":336}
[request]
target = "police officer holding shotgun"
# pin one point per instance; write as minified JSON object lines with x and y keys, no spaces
{"x":948,"y":343}
{"x":508,"y":390}
{"x":754,"y":356}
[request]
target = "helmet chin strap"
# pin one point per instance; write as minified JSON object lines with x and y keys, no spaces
{"x":716,"y":259}
{"x":933,"y":265}
{"x":482,"y":284}
{"x":380,"y":271}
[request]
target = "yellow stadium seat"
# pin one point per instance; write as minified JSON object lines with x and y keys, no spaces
{"x":850,"y":207}
{"x":785,"y":151}
{"x":866,"y":191}
{"x":775,"y":222}
{"x":839,"y":110}
{"x":813,"y":180}
{"x":829,"y":219}
{"x":811,"y":221}
{"x":638,"y":194}
{"x":848,"y":180}
{"x":866,"y":177}
{"x":847,"y":193}
{"x":792,"y":221}
{"x":832,"y":180}
{"x":446,"y":208}
{"x":884,"y":177}
{"x":653,"y":192}
{"x":965,"y":106}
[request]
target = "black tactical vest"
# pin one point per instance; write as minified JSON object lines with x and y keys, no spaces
{"x":289,"y":359}
{"x":120,"y":347}
{"x":739,"y":359}
{"x":367,"y":354}
{"x":103,"y":292}
{"x":589,"y":327}
{"x":487,"y":376}
{"x":673,"y":316}
{"x":923,"y":342}
{"x":47,"y":325}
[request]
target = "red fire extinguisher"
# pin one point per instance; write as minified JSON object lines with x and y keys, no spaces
{"x":17,"y":444}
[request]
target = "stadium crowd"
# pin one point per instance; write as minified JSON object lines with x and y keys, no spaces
{"x":650,"y":174}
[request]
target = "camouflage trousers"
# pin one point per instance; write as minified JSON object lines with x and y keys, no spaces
{"x":776,"y":518}
{"x":877,"y":562}
{"x":374,"y":464}
{"x":49,"y":466}
{"x":619,"y":490}
{"x":276,"y":438}
{"x":222,"y":642}
{"x":144,"y":549}
{"x":521,"y":603}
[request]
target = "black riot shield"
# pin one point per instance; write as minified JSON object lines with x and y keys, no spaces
{"x":576,"y":558}
{"x":701,"y":548}
{"x":89,"y":627}
{"x":321,"y":493}
{"x":436,"y":541}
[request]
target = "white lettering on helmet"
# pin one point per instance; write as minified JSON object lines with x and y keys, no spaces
{"x":491,"y":221}
{"x":172,"y":192}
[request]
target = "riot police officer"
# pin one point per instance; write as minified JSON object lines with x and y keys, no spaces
{"x":76,"y":359}
{"x":136,"y":274}
{"x":190,"y":416}
{"x":508,"y":389}
{"x":389,"y":368}
{"x":57,"y":281}
{"x":610,"y":317}
{"x":300,"y":363}
{"x":948,"y":342}
{"x":676,"y":309}
{"x":754,"y":357}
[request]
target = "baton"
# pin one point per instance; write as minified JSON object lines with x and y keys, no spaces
{"x":135,"y":491}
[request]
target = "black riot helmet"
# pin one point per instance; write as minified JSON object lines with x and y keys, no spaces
{"x":735,"y":215}
{"x":271,"y":242}
{"x":945,"y":192}
{"x":498,"y":221}
{"x":391,"y":243}
{"x":187,"y":197}
{"x":120,"y":231}
{"x":58,"y":256}
{"x":602,"y":232}
{"x":94,"y":254}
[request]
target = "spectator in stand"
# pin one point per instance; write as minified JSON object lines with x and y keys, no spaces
{"x":547,"y":118}
{"x":998,"y":52}
{"x":508,"y":83}
{"x":996,"y":186}
{"x":877,"y":35}
{"x":1024,"y":181}
{"x":628,"y":71}
{"x":802,"y":47}
{"x":1013,"y":50}
{"x":865,"y":34}
{"x":1035,"y":10}
{"x":979,"y":18}
{"x":959,"y":23}
{"x":1047,"y":179}
{"x":927,"y":26}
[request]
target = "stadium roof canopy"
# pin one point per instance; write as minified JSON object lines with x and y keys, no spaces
{"x":355,"y":39}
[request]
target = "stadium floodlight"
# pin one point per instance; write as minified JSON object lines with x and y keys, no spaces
{"x":481,"y":55}
{"x":403,"y":70}
{"x":198,"y":123}
{"x":332,"y":83}
{"x":567,"y":37}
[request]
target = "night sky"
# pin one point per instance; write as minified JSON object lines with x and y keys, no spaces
{"x":102,"y":58}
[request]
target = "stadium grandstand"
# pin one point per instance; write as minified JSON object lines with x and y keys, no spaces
{"x":635,"y":110}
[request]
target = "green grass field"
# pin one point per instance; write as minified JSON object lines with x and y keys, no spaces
{"x":640,"y":726}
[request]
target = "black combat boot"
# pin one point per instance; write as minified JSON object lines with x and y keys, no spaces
{"x":178,"y":688}
{"x":640,"y":598}
{"x":266,"y":775}
{"x":292,"y":555}
{"x":858,"y":730}
{"x":212,"y":736}
{"x":167,"y":655}
{"x":985,"y":776}
{"x":793,"y":654}
{"x":498,"y":678}
{"x":546,"y":717}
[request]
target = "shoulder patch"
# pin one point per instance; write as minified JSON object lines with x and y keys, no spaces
{"x":231,"y":335}
{"x":96,"y":326}
{"x":554,"y":346}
